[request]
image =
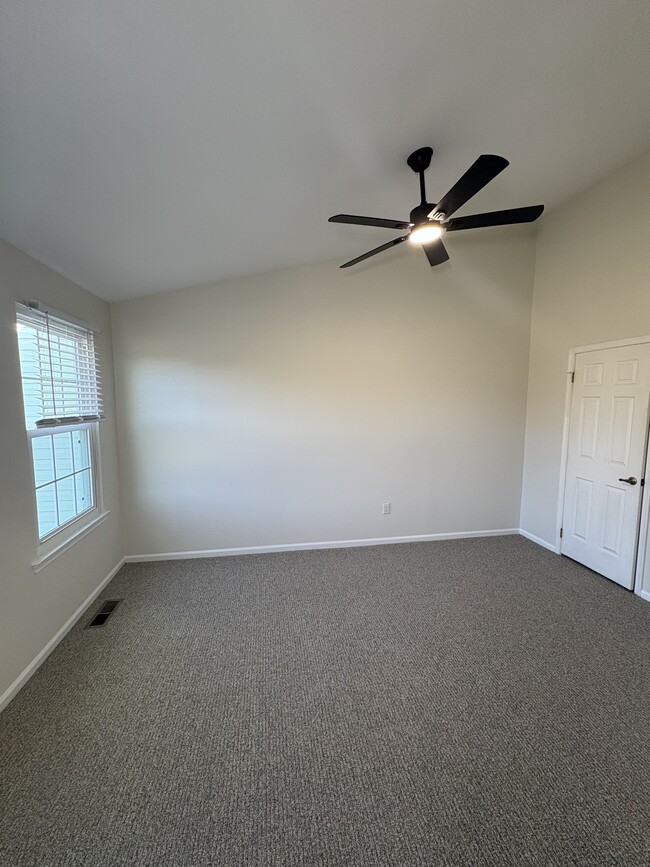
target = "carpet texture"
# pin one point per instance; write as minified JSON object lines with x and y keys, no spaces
{"x":475,"y":702}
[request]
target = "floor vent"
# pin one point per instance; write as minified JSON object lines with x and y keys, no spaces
{"x":104,"y":613}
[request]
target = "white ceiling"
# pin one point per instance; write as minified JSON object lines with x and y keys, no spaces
{"x":158,"y":144}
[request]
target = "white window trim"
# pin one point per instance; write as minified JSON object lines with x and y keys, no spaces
{"x":79,"y":532}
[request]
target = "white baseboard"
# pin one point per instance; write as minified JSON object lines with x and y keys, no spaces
{"x":40,"y":658}
{"x":311,"y":546}
{"x":537,"y":540}
{"x":644,"y":594}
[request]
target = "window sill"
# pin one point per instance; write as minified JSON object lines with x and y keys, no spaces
{"x":46,"y":559}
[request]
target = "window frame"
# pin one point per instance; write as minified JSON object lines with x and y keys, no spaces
{"x":62,"y":537}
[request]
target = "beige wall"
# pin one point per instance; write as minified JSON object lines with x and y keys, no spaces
{"x":592,"y":284}
{"x":33,"y":607}
{"x":285,"y":408}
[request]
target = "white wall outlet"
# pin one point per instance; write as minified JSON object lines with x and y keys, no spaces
{"x":385,"y":508}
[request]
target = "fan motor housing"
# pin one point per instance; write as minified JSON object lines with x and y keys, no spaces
{"x":421,"y":213}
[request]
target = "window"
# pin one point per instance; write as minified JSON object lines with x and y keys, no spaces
{"x":63,"y":405}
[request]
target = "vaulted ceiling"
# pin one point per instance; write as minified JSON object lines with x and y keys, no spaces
{"x":163,"y":143}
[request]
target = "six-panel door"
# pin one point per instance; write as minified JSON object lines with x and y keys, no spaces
{"x":605,"y":459}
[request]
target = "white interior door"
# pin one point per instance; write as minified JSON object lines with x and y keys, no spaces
{"x":605,"y":459}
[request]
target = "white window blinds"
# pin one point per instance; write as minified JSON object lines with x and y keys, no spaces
{"x":60,"y":371}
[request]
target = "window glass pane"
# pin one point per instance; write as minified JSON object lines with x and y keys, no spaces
{"x":80,"y":449}
{"x":46,"y":510}
{"x":84,"y":489}
{"x":65,"y":497}
{"x":63,"y":454}
{"x":43,"y":455}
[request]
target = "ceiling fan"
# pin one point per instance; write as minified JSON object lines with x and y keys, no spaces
{"x":428,"y":222}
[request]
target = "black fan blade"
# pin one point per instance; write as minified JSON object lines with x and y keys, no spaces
{"x":436,"y":252}
{"x":495,"y":218}
{"x":484,"y":170}
{"x":373,"y":252}
{"x":369,"y":221}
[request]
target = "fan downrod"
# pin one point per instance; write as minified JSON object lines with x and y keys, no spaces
{"x":420,"y":160}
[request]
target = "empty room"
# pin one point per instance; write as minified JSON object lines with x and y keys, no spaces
{"x":324,"y":411}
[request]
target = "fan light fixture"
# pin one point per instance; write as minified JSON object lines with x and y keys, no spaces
{"x":425,"y":234}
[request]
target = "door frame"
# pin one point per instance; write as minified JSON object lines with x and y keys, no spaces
{"x":644,"y":527}
{"x":642,"y":571}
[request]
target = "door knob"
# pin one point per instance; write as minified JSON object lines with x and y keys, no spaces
{"x":630,"y":481}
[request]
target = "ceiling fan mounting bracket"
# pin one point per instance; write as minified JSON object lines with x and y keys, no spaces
{"x":420,"y":160}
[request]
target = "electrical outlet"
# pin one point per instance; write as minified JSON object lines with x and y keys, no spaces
{"x":385,"y":508}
